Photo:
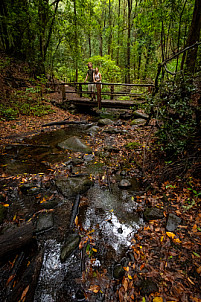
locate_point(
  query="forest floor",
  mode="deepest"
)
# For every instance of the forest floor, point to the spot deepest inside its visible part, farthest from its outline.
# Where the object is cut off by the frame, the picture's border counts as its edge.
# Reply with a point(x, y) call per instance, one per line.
point(171, 259)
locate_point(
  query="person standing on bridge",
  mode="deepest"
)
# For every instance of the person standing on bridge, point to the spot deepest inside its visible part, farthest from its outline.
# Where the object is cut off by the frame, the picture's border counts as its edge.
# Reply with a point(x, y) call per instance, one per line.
point(90, 77)
point(97, 76)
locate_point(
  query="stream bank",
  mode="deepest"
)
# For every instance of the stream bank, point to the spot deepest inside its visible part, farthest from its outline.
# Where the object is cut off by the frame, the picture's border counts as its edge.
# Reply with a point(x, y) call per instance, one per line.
point(45, 181)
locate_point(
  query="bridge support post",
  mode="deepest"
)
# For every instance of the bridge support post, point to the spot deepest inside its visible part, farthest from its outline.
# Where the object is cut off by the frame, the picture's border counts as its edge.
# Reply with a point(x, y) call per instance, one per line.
point(98, 87)
point(112, 92)
point(80, 89)
point(63, 93)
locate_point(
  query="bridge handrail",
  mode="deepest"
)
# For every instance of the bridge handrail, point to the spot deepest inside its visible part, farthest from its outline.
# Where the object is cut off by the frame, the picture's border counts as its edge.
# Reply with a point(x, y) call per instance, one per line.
point(107, 84)
point(78, 89)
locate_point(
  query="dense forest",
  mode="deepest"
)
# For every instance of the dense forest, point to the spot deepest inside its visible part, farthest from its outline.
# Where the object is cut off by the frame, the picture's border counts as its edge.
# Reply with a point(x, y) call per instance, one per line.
point(100, 203)
point(128, 39)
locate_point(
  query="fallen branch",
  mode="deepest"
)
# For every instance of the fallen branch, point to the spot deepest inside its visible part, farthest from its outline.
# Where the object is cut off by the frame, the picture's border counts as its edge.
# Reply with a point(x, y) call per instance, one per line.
point(15, 239)
point(65, 123)
point(75, 210)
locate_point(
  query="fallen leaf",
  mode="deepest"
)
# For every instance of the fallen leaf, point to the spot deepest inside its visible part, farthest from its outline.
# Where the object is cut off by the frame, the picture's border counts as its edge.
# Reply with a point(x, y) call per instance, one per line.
point(125, 284)
point(6, 205)
point(170, 234)
point(76, 220)
point(10, 279)
point(24, 294)
point(94, 288)
point(198, 270)
point(129, 277)
point(158, 299)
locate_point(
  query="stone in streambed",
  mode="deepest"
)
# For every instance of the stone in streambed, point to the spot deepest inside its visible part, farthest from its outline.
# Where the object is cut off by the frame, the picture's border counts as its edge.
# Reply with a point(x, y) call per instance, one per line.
point(118, 271)
point(44, 222)
point(74, 144)
point(124, 184)
point(138, 114)
point(69, 246)
point(71, 186)
point(153, 213)
point(172, 222)
point(138, 121)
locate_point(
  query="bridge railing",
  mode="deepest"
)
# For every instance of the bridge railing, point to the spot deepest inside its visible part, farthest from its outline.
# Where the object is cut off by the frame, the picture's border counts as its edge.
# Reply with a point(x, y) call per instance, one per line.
point(115, 89)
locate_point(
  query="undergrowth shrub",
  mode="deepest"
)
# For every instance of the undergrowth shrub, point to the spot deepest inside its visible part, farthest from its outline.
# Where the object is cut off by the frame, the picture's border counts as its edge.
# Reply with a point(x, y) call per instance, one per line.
point(173, 108)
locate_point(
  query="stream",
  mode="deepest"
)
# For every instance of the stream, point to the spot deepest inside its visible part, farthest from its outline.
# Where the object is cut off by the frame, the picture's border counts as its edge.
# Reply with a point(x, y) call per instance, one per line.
point(106, 220)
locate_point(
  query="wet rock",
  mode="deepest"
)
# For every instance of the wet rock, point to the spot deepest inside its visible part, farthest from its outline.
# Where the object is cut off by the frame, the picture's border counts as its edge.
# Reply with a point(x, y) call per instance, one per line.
point(105, 122)
point(44, 222)
point(72, 186)
point(30, 189)
point(69, 246)
point(3, 213)
point(111, 130)
point(93, 130)
point(153, 213)
point(120, 230)
point(172, 222)
point(88, 157)
point(138, 114)
point(75, 144)
point(80, 295)
point(124, 184)
point(118, 271)
point(148, 286)
point(74, 162)
point(49, 204)
point(138, 121)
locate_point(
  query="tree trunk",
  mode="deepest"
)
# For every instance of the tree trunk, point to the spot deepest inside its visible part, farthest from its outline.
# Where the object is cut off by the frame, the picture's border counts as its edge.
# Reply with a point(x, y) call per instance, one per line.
point(193, 37)
point(128, 42)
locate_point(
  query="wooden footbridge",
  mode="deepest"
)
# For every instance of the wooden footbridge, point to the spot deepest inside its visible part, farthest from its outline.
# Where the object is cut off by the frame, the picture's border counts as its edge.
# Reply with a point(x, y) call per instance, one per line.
point(108, 95)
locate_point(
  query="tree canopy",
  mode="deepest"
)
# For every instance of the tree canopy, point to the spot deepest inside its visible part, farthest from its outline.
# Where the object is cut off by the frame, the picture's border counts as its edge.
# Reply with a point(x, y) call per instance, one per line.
point(57, 37)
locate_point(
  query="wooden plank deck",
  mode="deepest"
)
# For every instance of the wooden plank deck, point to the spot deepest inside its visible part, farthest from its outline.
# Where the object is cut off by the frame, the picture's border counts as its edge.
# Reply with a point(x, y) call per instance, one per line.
point(126, 104)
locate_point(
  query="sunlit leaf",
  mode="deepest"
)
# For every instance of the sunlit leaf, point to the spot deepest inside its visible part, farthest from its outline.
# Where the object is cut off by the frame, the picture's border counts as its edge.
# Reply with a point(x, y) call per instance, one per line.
point(95, 250)
point(170, 234)
point(76, 220)
point(130, 277)
point(126, 268)
point(158, 299)
point(177, 240)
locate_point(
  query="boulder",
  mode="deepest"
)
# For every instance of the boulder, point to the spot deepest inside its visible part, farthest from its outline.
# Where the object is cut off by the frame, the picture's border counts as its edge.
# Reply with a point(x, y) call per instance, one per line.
point(124, 184)
point(172, 222)
point(75, 144)
point(44, 222)
point(138, 121)
point(153, 213)
point(69, 246)
point(105, 122)
point(93, 130)
point(71, 186)
point(138, 114)
point(118, 271)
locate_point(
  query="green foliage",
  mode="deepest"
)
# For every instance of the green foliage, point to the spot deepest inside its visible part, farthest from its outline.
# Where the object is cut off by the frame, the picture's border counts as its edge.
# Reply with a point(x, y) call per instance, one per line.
point(172, 107)
point(109, 70)
point(26, 103)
